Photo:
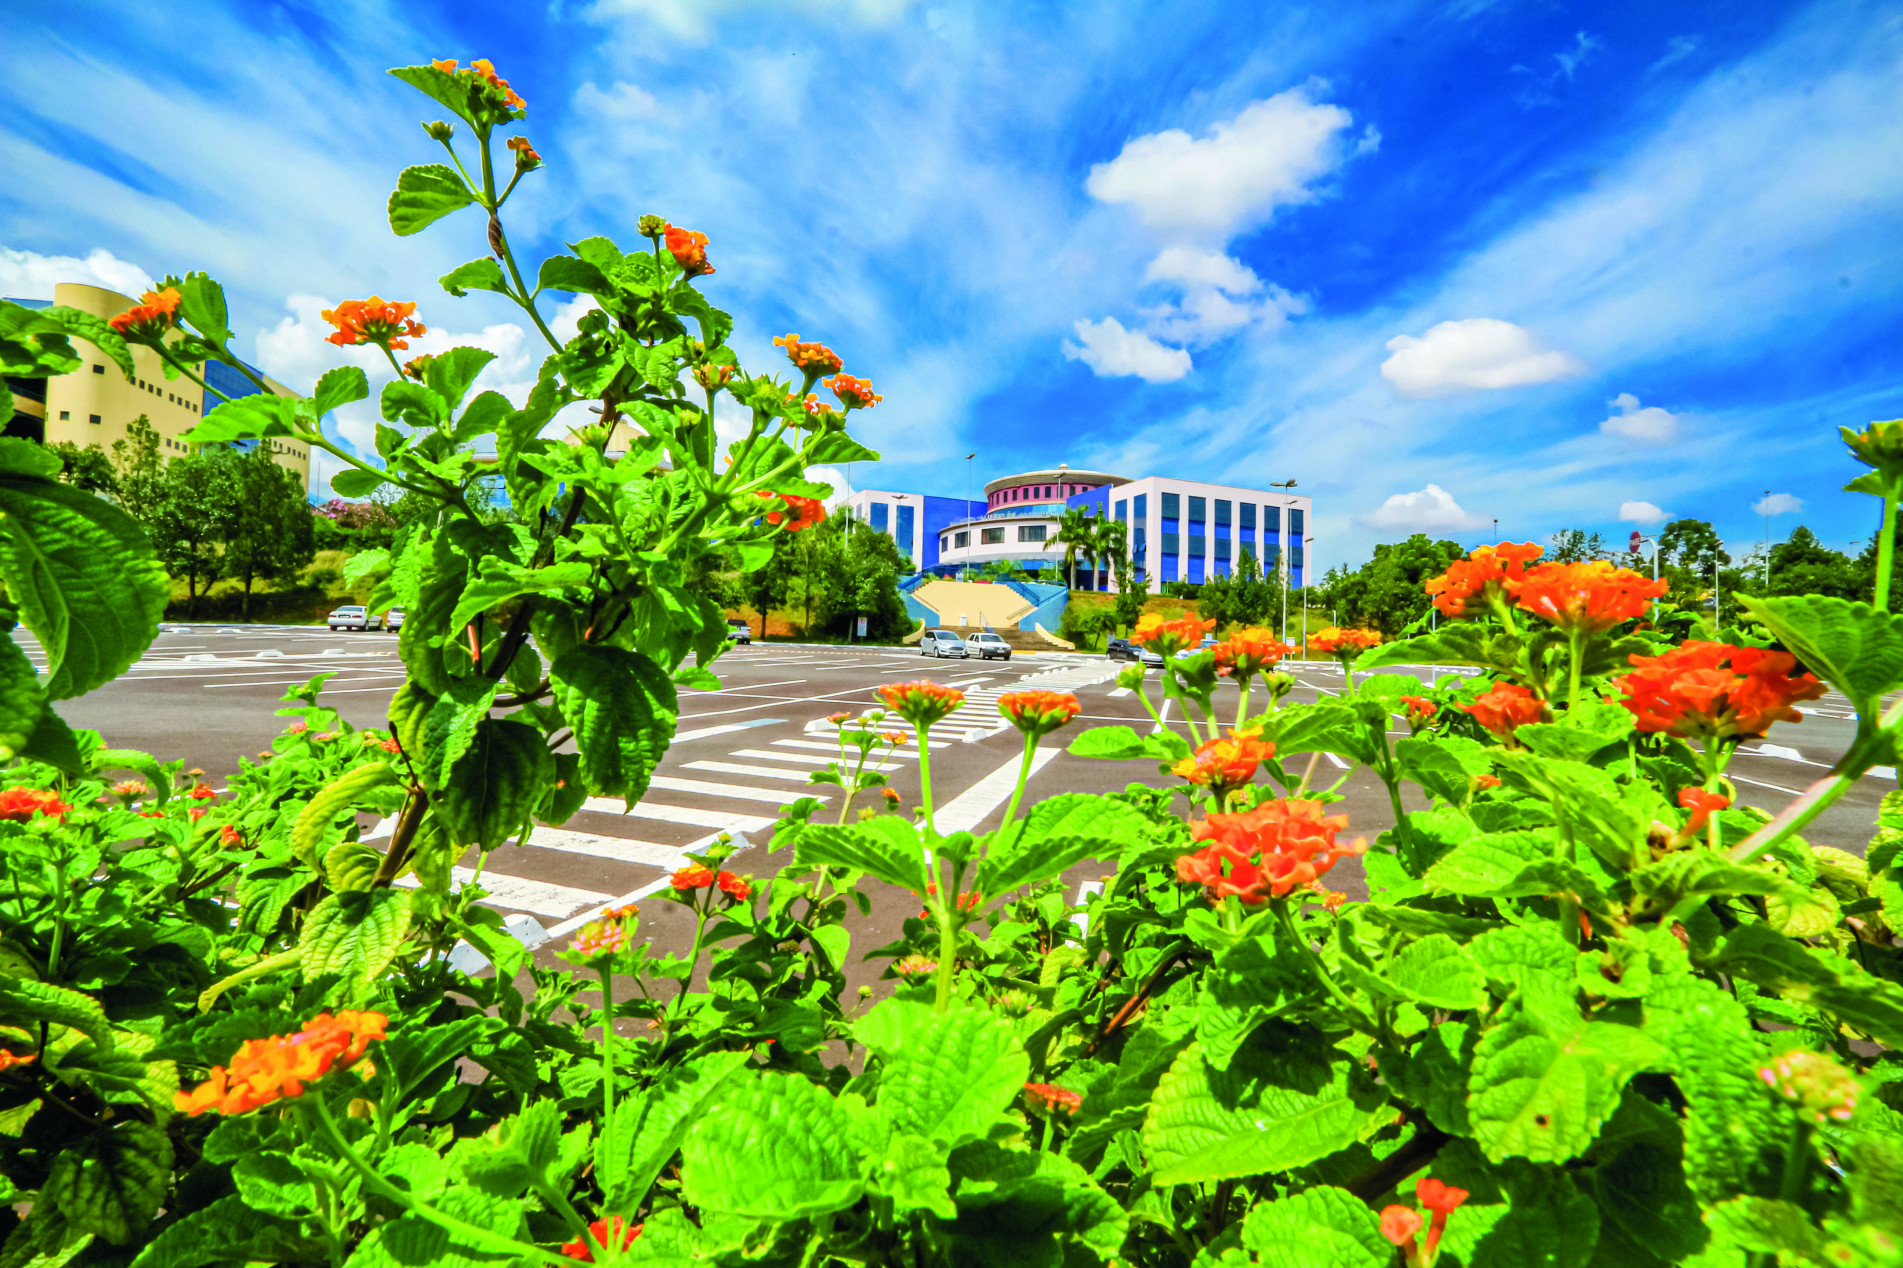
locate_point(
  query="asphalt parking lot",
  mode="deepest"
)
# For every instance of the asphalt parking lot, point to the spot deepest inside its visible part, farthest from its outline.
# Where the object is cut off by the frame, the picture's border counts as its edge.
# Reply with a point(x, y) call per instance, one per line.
point(208, 695)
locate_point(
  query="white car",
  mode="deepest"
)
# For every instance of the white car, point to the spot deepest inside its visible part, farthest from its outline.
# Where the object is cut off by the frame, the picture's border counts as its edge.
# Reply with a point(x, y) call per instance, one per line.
point(943, 643)
point(393, 619)
point(354, 616)
point(989, 646)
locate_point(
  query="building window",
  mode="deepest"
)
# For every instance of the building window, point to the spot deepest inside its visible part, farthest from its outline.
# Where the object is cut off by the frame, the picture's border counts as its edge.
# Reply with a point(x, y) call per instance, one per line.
point(1143, 507)
point(1222, 511)
point(1295, 556)
point(1295, 518)
point(99, 369)
point(961, 540)
point(1172, 506)
point(880, 516)
point(1172, 543)
point(1198, 510)
point(905, 529)
point(1248, 517)
point(92, 418)
point(1123, 509)
point(1142, 541)
point(1222, 550)
point(991, 536)
point(65, 414)
point(1271, 519)
point(1031, 532)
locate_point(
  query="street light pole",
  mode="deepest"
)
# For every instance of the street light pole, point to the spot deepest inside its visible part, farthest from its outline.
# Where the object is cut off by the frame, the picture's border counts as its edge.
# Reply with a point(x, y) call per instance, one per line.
point(1767, 539)
point(1283, 553)
point(968, 458)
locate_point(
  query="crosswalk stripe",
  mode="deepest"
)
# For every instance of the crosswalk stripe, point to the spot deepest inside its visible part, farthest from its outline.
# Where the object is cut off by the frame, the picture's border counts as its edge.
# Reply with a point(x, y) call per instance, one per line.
point(819, 747)
point(620, 849)
point(752, 772)
point(701, 733)
point(965, 811)
point(740, 792)
point(517, 894)
point(762, 755)
point(693, 816)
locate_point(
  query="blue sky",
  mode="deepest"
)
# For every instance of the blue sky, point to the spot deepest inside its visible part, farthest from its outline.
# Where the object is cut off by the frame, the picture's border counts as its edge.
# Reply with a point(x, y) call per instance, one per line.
point(1559, 265)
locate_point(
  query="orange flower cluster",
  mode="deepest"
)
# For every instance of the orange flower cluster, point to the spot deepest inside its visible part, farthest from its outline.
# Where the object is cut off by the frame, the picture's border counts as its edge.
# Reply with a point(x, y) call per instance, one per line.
point(1714, 691)
point(821, 410)
point(1703, 805)
point(891, 797)
point(129, 789)
point(689, 248)
point(230, 836)
point(1591, 596)
point(1469, 585)
point(700, 876)
point(915, 966)
point(813, 358)
point(1418, 709)
point(1505, 706)
point(1335, 641)
point(893, 738)
point(268, 1070)
point(1166, 638)
point(853, 393)
point(526, 157)
point(480, 69)
point(1265, 852)
point(19, 805)
point(388, 325)
point(1247, 653)
point(1038, 713)
point(968, 900)
point(614, 1233)
point(156, 313)
point(921, 703)
point(1399, 1224)
point(10, 1059)
point(806, 512)
point(1225, 764)
point(1048, 1098)
point(606, 934)
point(1822, 1090)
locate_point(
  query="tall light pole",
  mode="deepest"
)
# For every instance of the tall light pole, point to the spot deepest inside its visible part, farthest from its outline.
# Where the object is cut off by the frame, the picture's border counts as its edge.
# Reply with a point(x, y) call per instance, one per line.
point(968, 458)
point(1766, 504)
point(1283, 553)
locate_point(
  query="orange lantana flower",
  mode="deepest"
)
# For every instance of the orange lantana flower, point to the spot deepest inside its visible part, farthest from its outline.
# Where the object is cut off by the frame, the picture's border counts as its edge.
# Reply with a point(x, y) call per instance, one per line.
point(1590, 597)
point(481, 71)
point(20, 804)
point(1418, 709)
point(1504, 707)
point(1265, 852)
point(525, 155)
point(1703, 805)
point(853, 393)
point(1334, 641)
point(1038, 713)
point(155, 315)
point(1223, 765)
point(615, 1233)
point(806, 512)
point(10, 1059)
point(606, 934)
point(388, 325)
point(1714, 691)
point(1166, 638)
point(268, 1070)
point(1469, 585)
point(1048, 1098)
point(921, 703)
point(1247, 653)
point(689, 249)
point(813, 358)
point(1399, 1224)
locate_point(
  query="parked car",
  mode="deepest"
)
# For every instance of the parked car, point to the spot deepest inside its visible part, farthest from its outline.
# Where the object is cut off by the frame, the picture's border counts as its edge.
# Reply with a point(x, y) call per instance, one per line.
point(989, 646)
point(943, 643)
point(1124, 649)
point(393, 619)
point(354, 616)
point(739, 631)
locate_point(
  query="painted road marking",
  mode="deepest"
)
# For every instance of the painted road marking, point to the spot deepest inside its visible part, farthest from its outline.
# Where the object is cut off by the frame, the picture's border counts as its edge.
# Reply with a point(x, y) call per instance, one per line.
point(729, 728)
point(761, 754)
point(965, 811)
point(817, 746)
point(620, 849)
point(752, 772)
point(517, 894)
point(693, 816)
point(739, 792)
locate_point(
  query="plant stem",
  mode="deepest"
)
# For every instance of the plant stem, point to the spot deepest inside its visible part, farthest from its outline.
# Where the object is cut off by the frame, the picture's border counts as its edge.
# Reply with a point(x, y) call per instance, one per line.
point(1886, 549)
point(693, 952)
point(1575, 638)
point(1242, 705)
point(608, 1056)
point(1024, 777)
point(925, 782)
point(1347, 1005)
point(947, 911)
point(1796, 1163)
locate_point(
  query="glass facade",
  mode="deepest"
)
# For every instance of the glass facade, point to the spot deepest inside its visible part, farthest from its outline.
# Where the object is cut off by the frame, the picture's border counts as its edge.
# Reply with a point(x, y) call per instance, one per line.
point(906, 520)
point(880, 516)
point(1295, 523)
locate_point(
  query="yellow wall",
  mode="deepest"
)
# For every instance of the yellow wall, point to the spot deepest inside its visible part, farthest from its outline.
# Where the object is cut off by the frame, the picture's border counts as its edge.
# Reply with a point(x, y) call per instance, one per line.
point(94, 405)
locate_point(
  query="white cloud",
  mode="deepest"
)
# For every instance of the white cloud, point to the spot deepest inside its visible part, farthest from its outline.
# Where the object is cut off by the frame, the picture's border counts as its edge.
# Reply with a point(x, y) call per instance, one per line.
point(1777, 504)
point(1203, 269)
point(619, 101)
point(1208, 190)
point(1677, 49)
point(1111, 351)
point(694, 21)
point(1643, 513)
point(1429, 510)
point(30, 275)
point(1648, 426)
point(1477, 353)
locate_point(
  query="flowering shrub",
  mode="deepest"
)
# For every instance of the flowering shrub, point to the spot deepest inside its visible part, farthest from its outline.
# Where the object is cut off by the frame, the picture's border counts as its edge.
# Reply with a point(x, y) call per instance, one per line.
point(1593, 1012)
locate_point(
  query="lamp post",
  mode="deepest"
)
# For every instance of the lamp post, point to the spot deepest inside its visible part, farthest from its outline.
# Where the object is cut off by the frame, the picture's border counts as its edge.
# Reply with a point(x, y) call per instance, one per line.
point(1766, 504)
point(968, 458)
point(1283, 553)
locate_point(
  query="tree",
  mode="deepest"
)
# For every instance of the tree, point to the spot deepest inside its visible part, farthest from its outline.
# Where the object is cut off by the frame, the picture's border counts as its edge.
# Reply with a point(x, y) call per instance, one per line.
point(1576, 546)
point(1388, 592)
point(1131, 596)
point(194, 495)
point(766, 587)
point(1801, 564)
point(268, 532)
point(1077, 534)
point(85, 467)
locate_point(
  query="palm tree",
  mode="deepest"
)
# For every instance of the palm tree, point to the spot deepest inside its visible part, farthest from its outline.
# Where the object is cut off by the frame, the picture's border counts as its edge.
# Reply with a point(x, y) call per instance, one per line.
point(1077, 534)
point(1113, 547)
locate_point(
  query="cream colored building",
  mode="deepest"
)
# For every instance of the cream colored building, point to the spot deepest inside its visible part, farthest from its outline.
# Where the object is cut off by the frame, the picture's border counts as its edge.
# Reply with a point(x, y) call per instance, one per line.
point(95, 404)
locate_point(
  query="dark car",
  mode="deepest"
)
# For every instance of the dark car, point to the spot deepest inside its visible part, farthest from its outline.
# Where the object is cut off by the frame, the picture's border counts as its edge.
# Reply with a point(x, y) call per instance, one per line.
point(1124, 649)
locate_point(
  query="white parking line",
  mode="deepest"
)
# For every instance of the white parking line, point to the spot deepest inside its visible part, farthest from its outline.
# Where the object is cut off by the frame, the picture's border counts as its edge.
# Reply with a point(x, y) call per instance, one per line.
point(740, 792)
point(817, 746)
point(517, 894)
point(760, 754)
point(965, 811)
point(620, 849)
point(694, 816)
point(751, 772)
point(729, 728)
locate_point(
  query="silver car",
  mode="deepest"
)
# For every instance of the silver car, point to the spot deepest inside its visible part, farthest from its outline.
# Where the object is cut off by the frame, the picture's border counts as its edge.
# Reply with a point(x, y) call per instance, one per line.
point(393, 619)
point(354, 616)
point(989, 646)
point(943, 643)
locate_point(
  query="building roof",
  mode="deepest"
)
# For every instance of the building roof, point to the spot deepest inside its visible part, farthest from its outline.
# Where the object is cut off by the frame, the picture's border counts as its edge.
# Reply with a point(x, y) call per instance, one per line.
point(1061, 473)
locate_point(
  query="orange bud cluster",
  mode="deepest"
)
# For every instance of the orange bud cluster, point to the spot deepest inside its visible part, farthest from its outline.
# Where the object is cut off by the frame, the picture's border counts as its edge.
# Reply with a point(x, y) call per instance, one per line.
point(606, 934)
point(1264, 853)
point(525, 155)
point(1399, 1224)
point(812, 358)
point(806, 512)
point(1247, 653)
point(1166, 638)
point(1334, 641)
point(1703, 690)
point(1048, 1098)
point(689, 249)
point(1505, 706)
point(268, 1070)
point(19, 805)
point(615, 1233)
point(1224, 764)
point(482, 72)
point(155, 314)
point(388, 325)
point(1038, 713)
point(921, 703)
point(1418, 709)
point(853, 393)
point(699, 876)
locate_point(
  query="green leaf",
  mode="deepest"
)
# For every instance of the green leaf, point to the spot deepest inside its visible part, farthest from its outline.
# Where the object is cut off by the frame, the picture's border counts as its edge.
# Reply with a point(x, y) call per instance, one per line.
point(1024, 1209)
point(495, 786)
point(1327, 727)
point(838, 447)
point(947, 1077)
point(449, 374)
point(477, 275)
point(500, 580)
point(649, 1128)
point(915, 1176)
point(1769, 1226)
point(111, 1183)
point(260, 416)
point(623, 709)
point(1851, 646)
point(21, 700)
point(33, 345)
point(566, 273)
point(1256, 979)
point(1120, 743)
point(440, 85)
point(484, 415)
point(25, 458)
point(84, 578)
point(1542, 1084)
point(270, 1182)
point(26, 1003)
point(410, 1055)
point(203, 307)
point(314, 821)
point(1642, 1193)
point(778, 1147)
point(355, 935)
point(449, 728)
point(55, 743)
point(96, 331)
point(340, 386)
point(227, 1231)
point(1818, 977)
point(355, 482)
point(1321, 1226)
point(1278, 1106)
point(1439, 972)
point(886, 847)
point(1058, 833)
point(425, 195)
point(1481, 865)
point(1455, 643)
point(1444, 766)
point(1434, 1074)
point(100, 761)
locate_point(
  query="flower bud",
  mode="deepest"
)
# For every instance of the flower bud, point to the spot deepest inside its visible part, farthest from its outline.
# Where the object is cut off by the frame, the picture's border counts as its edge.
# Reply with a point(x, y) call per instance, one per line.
point(1130, 677)
point(1278, 685)
point(651, 226)
point(439, 131)
point(1879, 445)
point(865, 992)
point(712, 377)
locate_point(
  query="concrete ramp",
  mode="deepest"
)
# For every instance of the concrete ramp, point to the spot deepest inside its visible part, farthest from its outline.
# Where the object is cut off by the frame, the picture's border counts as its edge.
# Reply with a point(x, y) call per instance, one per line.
point(970, 604)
